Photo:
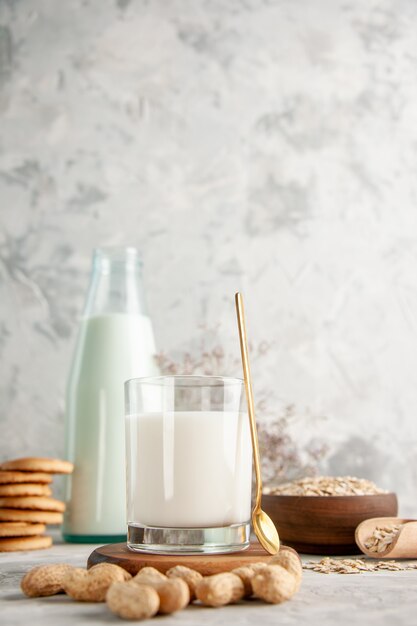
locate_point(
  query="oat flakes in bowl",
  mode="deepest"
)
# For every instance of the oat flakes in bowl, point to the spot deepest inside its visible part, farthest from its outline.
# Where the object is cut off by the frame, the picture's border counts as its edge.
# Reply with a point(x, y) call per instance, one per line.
point(320, 515)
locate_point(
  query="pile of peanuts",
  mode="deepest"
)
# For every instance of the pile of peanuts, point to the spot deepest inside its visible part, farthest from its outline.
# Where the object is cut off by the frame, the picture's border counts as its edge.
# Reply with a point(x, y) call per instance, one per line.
point(151, 592)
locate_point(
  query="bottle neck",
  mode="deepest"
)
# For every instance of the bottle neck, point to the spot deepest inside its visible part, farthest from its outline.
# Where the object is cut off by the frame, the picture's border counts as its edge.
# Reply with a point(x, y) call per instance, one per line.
point(115, 283)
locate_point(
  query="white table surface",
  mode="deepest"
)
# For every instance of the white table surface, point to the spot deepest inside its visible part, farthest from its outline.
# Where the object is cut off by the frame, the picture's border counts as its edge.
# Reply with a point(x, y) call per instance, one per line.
point(372, 598)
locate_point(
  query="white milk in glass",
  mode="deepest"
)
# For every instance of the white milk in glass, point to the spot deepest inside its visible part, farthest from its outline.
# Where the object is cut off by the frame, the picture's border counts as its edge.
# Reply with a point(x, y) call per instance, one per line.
point(111, 349)
point(189, 469)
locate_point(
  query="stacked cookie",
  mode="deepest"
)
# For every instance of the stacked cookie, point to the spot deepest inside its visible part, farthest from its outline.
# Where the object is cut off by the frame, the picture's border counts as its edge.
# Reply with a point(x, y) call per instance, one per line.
point(26, 506)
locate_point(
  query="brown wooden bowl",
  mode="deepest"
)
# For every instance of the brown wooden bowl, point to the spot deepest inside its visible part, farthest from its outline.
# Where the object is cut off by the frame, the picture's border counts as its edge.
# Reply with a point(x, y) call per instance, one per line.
point(325, 524)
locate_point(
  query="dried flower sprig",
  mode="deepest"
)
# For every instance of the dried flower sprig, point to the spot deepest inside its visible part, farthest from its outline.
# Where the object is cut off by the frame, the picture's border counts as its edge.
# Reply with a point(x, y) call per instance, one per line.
point(283, 458)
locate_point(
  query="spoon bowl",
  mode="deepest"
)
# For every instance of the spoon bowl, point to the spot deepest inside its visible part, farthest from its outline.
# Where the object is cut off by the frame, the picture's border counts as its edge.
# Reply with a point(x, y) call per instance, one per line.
point(265, 531)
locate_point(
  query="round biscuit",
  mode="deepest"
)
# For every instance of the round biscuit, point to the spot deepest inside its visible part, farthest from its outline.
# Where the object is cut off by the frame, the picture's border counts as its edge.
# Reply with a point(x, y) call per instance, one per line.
point(25, 489)
point(38, 464)
point(19, 515)
point(25, 543)
point(21, 529)
point(11, 477)
point(35, 503)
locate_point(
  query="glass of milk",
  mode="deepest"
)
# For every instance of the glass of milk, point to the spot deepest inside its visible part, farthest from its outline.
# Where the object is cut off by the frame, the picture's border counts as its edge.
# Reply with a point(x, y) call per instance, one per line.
point(189, 464)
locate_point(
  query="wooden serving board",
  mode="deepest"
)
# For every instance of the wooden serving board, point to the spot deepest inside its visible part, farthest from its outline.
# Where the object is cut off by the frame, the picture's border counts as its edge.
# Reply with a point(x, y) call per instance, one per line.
point(206, 564)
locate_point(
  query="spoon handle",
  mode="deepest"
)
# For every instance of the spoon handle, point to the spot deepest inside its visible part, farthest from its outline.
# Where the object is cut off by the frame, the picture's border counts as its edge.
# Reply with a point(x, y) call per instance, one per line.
point(249, 396)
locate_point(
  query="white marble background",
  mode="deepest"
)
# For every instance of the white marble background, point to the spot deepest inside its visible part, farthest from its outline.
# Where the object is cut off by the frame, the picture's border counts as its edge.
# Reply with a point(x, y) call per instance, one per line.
point(263, 145)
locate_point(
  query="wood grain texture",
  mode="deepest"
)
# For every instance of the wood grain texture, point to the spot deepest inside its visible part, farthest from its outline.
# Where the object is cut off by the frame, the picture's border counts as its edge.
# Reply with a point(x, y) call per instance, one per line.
point(404, 545)
point(325, 524)
point(206, 564)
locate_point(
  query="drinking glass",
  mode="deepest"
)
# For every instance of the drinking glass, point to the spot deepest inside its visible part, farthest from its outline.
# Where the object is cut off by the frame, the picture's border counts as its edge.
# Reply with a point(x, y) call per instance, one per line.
point(189, 464)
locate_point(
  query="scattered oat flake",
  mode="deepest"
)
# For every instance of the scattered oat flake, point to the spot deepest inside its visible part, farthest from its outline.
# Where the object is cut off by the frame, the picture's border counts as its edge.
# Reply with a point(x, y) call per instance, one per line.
point(355, 566)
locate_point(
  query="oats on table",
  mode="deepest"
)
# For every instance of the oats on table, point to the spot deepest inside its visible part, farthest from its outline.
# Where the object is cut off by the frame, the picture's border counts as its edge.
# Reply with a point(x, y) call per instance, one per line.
point(355, 566)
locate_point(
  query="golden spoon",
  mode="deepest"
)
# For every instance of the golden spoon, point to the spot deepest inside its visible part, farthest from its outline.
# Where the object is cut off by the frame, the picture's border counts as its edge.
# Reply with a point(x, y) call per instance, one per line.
point(262, 524)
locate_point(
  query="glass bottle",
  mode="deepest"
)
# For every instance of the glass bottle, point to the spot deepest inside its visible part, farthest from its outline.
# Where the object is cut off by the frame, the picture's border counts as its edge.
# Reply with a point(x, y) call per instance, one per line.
point(115, 343)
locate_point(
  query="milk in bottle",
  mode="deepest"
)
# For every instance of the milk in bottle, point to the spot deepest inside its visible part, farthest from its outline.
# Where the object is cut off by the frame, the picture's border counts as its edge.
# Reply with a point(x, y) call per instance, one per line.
point(115, 343)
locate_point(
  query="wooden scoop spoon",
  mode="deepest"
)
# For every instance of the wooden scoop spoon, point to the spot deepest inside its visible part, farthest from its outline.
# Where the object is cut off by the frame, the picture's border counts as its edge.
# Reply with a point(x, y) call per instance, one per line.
point(404, 544)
